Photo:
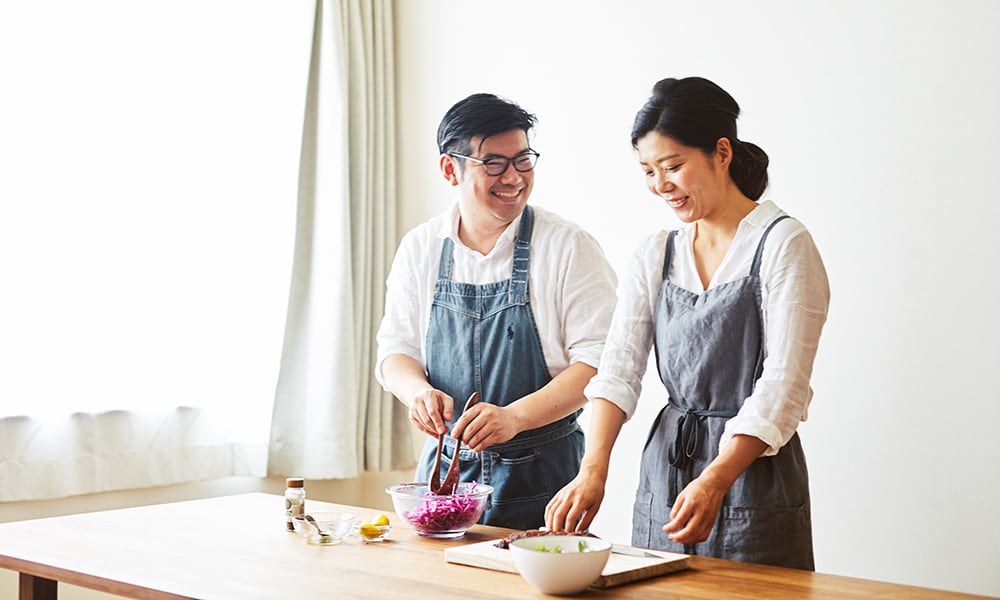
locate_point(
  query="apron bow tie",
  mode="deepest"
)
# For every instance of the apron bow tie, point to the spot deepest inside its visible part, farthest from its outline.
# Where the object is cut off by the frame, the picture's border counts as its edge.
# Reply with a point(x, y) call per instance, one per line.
point(687, 442)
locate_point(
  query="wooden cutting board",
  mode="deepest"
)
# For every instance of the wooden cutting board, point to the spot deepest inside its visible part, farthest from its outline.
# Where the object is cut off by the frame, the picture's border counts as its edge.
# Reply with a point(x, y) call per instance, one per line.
point(620, 569)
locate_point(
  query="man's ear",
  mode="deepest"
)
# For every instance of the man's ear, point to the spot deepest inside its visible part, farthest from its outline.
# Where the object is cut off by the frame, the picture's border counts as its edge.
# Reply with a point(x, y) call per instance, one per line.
point(449, 169)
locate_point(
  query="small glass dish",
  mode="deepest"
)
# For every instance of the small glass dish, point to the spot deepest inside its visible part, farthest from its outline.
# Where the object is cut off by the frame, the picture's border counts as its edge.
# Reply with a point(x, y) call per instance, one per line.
point(335, 527)
point(372, 533)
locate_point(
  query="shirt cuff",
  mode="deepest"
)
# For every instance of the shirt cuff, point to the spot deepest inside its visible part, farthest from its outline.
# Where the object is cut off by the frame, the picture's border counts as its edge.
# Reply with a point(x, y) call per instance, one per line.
point(588, 355)
point(386, 352)
point(615, 390)
point(757, 427)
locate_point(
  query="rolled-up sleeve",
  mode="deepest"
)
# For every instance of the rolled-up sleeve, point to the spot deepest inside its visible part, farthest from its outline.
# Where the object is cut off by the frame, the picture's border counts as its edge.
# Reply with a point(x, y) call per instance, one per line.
point(796, 297)
point(588, 300)
point(400, 332)
point(630, 338)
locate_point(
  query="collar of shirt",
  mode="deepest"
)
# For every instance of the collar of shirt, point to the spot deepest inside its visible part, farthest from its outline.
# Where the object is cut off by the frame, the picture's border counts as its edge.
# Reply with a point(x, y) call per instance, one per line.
point(736, 263)
point(759, 218)
point(449, 228)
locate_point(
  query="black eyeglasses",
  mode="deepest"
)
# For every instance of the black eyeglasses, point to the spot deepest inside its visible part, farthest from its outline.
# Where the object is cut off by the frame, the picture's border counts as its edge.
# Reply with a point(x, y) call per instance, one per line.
point(497, 165)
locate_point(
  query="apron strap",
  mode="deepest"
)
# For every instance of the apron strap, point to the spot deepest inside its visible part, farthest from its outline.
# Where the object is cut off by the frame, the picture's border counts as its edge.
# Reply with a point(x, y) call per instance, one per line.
point(447, 260)
point(668, 253)
point(755, 268)
point(518, 293)
point(522, 258)
point(687, 442)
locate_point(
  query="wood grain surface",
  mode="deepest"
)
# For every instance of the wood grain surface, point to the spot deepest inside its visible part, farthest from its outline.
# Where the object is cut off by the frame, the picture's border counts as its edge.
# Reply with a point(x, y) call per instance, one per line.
point(237, 547)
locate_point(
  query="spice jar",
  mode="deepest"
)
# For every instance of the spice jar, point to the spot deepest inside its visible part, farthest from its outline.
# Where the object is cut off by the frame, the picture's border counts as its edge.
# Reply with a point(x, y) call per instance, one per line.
point(295, 500)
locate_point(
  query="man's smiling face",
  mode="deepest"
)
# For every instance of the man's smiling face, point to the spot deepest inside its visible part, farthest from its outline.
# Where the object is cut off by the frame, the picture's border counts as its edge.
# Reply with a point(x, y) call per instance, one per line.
point(499, 198)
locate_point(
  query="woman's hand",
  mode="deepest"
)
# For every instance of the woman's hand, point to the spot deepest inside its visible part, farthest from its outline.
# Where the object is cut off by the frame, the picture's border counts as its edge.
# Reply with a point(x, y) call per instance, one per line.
point(697, 506)
point(695, 511)
point(574, 507)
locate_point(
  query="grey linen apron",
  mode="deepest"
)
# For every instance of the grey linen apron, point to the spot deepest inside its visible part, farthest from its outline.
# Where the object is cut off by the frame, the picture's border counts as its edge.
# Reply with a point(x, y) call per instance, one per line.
point(710, 353)
point(483, 338)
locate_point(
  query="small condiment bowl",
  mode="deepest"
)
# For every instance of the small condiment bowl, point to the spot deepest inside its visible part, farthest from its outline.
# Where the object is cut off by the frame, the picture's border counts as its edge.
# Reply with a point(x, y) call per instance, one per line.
point(372, 533)
point(334, 525)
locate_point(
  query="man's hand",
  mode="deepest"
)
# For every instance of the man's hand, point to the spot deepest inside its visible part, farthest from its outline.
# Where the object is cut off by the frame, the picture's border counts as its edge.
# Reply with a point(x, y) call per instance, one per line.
point(430, 410)
point(484, 425)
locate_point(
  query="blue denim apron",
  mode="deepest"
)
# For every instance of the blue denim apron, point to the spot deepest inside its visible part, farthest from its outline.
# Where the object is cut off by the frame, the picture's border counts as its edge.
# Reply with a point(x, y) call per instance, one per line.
point(710, 353)
point(483, 338)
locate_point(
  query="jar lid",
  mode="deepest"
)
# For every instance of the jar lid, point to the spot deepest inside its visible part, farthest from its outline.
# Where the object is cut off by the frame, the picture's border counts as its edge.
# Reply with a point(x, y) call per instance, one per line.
point(295, 482)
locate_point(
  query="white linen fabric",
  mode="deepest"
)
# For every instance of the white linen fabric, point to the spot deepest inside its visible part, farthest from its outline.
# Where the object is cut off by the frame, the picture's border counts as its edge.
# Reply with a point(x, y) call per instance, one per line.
point(795, 295)
point(330, 419)
point(145, 232)
point(82, 453)
point(570, 284)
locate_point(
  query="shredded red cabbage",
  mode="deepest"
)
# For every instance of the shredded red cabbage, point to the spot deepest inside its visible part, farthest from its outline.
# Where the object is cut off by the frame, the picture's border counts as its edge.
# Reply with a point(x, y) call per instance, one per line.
point(453, 512)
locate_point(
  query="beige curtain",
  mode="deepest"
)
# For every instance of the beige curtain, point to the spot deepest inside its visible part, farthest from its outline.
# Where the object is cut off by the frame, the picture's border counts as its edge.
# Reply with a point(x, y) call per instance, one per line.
point(330, 418)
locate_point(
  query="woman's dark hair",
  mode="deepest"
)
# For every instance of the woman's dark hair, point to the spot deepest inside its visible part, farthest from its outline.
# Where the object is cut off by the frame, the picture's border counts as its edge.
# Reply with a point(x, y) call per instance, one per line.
point(482, 115)
point(696, 112)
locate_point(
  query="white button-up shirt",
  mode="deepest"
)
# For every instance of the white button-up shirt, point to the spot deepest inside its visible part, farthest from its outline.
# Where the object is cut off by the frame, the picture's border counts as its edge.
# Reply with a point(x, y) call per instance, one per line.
point(795, 296)
point(571, 287)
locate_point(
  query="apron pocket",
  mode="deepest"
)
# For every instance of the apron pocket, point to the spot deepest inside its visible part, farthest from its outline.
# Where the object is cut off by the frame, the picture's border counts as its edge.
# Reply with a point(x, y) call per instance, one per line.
point(520, 490)
point(642, 519)
point(517, 477)
point(771, 536)
point(469, 468)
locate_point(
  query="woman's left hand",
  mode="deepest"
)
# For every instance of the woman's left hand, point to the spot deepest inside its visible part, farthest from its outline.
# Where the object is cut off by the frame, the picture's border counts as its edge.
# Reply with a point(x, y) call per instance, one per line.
point(697, 506)
point(695, 511)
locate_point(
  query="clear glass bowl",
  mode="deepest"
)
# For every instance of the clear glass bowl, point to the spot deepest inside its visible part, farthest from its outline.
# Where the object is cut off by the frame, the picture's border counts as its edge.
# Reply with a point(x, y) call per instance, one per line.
point(335, 526)
point(440, 516)
point(372, 533)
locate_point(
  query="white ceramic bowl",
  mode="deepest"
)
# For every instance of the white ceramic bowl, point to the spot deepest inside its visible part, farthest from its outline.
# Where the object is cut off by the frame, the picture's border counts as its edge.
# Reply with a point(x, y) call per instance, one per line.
point(444, 516)
point(560, 564)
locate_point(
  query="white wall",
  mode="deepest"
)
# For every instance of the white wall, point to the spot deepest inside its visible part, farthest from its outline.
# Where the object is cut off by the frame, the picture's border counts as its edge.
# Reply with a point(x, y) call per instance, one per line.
point(881, 122)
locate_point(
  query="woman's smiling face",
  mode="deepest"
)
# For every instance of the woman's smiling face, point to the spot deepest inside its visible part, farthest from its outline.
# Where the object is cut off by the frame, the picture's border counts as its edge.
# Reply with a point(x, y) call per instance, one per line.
point(691, 182)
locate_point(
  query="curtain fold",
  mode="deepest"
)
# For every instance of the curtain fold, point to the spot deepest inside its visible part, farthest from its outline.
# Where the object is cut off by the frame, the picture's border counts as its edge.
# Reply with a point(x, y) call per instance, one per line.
point(145, 230)
point(330, 418)
point(85, 453)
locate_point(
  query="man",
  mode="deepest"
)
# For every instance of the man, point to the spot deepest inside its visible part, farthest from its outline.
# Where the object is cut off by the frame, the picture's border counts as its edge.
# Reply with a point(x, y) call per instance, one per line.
point(503, 299)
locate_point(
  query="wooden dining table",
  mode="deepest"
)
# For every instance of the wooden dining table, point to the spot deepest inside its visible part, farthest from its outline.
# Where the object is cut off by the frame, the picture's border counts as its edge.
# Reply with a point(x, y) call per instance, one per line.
point(238, 547)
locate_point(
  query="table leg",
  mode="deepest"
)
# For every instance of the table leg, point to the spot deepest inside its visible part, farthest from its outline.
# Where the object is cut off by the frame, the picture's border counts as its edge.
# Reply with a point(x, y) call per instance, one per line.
point(36, 588)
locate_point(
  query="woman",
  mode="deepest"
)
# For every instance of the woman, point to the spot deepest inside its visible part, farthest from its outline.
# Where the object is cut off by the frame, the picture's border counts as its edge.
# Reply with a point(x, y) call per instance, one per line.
point(734, 302)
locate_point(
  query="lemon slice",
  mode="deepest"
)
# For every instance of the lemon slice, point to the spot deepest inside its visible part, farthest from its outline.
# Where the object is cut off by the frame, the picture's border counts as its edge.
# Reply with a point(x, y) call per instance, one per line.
point(369, 531)
point(379, 520)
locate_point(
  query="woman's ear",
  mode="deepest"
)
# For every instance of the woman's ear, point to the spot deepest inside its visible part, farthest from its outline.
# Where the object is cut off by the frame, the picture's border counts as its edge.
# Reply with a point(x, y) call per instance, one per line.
point(723, 152)
point(449, 169)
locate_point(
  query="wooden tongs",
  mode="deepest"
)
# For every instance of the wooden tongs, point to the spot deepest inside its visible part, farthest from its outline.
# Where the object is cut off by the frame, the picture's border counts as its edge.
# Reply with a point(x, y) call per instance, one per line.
point(451, 477)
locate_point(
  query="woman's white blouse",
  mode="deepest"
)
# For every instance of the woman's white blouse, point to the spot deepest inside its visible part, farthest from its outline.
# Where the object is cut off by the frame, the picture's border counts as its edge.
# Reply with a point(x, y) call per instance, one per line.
point(795, 295)
point(571, 287)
